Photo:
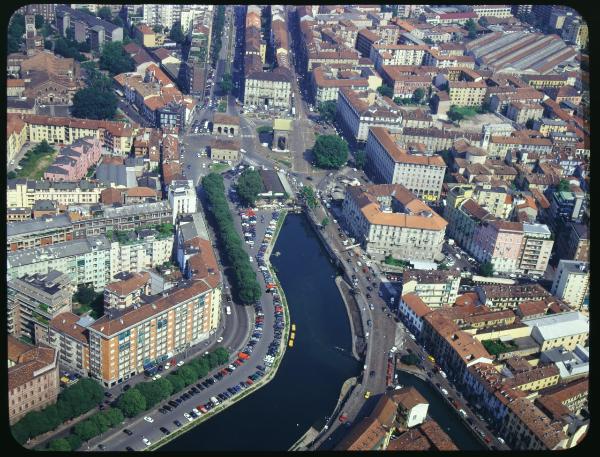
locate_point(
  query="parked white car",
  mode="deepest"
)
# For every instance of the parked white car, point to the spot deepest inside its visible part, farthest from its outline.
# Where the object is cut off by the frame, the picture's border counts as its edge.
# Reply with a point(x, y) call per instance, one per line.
point(148, 419)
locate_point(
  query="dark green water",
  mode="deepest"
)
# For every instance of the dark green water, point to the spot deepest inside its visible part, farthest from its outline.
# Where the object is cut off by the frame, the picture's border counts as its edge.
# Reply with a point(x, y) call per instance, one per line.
point(310, 377)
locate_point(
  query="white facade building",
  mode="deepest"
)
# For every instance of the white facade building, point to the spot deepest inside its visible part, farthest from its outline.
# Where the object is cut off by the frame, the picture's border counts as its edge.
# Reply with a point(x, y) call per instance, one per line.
point(182, 197)
point(571, 282)
point(144, 253)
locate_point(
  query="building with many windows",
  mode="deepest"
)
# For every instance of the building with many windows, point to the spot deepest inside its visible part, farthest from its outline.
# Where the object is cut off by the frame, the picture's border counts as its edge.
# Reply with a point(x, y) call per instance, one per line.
point(182, 197)
point(571, 282)
point(23, 193)
point(35, 299)
point(122, 343)
point(142, 249)
point(32, 378)
point(388, 220)
point(85, 261)
point(421, 174)
point(435, 287)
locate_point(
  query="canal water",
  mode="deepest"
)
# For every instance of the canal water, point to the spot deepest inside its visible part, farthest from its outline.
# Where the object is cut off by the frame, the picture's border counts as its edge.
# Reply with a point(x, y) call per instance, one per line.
point(309, 379)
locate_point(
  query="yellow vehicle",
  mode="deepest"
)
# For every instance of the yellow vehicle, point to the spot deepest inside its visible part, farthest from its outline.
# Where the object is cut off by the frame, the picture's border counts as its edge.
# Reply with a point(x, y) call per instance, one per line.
point(431, 359)
point(291, 343)
point(292, 336)
point(367, 394)
point(293, 327)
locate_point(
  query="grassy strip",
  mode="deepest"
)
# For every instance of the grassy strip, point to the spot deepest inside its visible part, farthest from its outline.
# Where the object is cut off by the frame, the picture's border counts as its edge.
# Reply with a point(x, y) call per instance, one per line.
point(35, 165)
point(218, 167)
point(264, 381)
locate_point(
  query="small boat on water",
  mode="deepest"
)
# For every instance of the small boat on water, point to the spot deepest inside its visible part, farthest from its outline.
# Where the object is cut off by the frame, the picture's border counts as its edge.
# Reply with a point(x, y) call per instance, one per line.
point(291, 343)
point(293, 327)
point(292, 336)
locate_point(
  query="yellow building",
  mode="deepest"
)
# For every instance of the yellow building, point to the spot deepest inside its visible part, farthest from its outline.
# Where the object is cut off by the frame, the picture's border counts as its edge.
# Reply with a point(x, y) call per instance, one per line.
point(565, 330)
point(16, 136)
point(466, 93)
point(147, 35)
point(536, 378)
point(24, 193)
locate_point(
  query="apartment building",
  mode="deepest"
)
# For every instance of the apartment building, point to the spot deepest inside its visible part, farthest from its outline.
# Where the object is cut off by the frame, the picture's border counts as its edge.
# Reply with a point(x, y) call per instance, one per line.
point(421, 174)
point(403, 84)
point(38, 232)
point(436, 288)
point(16, 136)
point(117, 137)
point(127, 291)
point(85, 26)
point(23, 193)
point(35, 299)
point(536, 249)
point(467, 93)
point(411, 310)
point(397, 54)
point(568, 206)
point(358, 111)
point(521, 112)
point(136, 251)
point(68, 335)
point(435, 58)
point(571, 283)
point(326, 85)
point(499, 11)
point(32, 378)
point(499, 242)
point(574, 244)
point(85, 261)
point(121, 343)
point(268, 88)
point(182, 197)
point(73, 162)
point(388, 220)
point(526, 427)
point(510, 297)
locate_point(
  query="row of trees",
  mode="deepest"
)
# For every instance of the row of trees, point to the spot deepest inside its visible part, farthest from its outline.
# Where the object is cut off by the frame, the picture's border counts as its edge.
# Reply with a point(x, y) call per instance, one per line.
point(327, 110)
point(218, 24)
point(248, 187)
point(330, 151)
point(248, 288)
point(143, 397)
point(72, 402)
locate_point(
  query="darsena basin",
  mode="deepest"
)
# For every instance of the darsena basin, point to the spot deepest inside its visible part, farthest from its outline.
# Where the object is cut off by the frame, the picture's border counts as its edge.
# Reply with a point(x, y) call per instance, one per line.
point(310, 377)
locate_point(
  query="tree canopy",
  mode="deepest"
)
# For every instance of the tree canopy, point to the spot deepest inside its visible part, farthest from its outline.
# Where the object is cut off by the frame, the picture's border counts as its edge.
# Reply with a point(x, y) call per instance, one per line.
point(248, 187)
point(105, 13)
point(330, 151)
point(92, 103)
point(226, 83)
point(245, 283)
point(471, 27)
point(176, 34)
point(418, 95)
point(16, 30)
point(385, 90)
point(132, 402)
point(115, 59)
point(486, 269)
point(360, 159)
point(328, 110)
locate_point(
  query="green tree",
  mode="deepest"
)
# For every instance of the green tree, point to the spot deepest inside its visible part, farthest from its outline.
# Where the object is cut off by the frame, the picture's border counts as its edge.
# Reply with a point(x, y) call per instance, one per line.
point(115, 59)
point(455, 114)
point(308, 194)
point(155, 391)
point(222, 355)
point(471, 28)
point(324, 222)
point(248, 187)
point(60, 444)
point(226, 83)
point(187, 374)
point(486, 269)
point(74, 441)
point(564, 186)
point(157, 29)
point(327, 110)
point(131, 403)
point(483, 22)
point(86, 430)
point(16, 30)
point(85, 294)
point(39, 21)
point(418, 95)
point(92, 103)
point(176, 382)
point(101, 421)
point(79, 398)
point(410, 359)
point(176, 34)
point(360, 159)
point(104, 13)
point(114, 416)
point(330, 151)
point(385, 90)
point(11, 175)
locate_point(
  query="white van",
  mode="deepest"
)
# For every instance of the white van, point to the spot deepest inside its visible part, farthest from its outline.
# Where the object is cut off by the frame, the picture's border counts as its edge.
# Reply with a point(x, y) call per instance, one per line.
point(228, 310)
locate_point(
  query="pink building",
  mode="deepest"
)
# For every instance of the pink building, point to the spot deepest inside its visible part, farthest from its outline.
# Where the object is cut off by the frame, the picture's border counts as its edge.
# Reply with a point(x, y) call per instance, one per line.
point(499, 242)
point(73, 162)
